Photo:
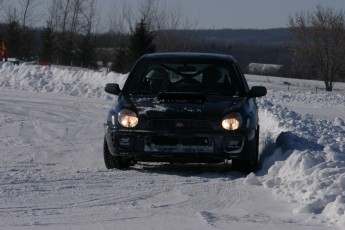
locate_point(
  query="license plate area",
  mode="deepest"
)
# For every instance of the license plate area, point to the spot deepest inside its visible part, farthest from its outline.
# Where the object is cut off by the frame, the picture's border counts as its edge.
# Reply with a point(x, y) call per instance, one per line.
point(187, 141)
point(178, 144)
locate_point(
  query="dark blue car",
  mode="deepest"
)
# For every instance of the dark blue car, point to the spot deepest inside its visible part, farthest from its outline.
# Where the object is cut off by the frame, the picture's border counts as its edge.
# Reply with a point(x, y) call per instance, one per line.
point(186, 108)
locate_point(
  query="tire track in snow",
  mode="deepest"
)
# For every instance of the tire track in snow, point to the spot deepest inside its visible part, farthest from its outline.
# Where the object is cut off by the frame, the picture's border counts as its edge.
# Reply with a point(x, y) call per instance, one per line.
point(56, 129)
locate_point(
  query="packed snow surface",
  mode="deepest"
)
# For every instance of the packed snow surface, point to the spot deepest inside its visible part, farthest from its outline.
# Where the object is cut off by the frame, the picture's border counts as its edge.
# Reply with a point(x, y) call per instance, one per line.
point(52, 174)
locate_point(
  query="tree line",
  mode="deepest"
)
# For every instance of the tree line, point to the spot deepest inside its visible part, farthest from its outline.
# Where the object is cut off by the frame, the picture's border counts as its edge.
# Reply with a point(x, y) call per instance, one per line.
point(70, 32)
point(69, 36)
point(66, 37)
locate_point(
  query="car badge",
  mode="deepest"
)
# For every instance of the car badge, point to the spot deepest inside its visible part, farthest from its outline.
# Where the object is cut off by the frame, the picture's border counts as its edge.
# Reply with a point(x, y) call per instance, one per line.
point(179, 124)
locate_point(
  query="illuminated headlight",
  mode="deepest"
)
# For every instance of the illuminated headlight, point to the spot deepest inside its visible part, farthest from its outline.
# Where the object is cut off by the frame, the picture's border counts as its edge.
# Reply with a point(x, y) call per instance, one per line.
point(232, 121)
point(127, 118)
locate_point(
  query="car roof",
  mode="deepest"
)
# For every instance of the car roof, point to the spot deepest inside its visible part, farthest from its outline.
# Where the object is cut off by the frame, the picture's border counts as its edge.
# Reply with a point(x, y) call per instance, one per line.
point(189, 55)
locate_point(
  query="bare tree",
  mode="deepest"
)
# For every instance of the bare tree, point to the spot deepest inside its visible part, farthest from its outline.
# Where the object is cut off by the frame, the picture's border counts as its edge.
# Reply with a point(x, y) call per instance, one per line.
point(161, 17)
point(29, 16)
point(54, 15)
point(2, 4)
point(121, 17)
point(91, 17)
point(65, 14)
point(88, 54)
point(64, 6)
point(21, 42)
point(12, 15)
point(319, 43)
point(152, 12)
point(164, 20)
point(2, 7)
point(25, 12)
point(72, 19)
point(121, 21)
point(78, 8)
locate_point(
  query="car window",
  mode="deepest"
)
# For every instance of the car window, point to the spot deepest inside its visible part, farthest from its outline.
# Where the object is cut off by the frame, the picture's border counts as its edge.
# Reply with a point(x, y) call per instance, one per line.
point(207, 77)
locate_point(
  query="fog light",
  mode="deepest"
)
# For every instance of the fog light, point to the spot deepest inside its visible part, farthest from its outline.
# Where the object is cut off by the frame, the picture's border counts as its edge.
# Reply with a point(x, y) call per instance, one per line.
point(232, 143)
point(125, 142)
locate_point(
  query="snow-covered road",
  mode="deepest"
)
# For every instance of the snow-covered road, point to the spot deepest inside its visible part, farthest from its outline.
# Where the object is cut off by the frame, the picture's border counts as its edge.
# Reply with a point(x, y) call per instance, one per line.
point(52, 174)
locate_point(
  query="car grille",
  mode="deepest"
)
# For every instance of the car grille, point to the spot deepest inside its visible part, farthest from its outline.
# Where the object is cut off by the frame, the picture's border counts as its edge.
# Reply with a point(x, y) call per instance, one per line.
point(169, 124)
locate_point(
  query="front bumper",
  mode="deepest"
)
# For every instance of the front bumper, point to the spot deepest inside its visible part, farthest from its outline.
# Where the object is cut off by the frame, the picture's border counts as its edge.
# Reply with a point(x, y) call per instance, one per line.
point(179, 146)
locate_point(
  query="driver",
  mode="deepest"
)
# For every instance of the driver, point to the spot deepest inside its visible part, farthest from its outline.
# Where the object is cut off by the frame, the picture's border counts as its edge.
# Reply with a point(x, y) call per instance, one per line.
point(158, 79)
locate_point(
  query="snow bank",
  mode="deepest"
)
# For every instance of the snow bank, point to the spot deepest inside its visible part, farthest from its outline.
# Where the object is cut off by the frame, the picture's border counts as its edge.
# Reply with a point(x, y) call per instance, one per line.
point(308, 163)
point(260, 68)
point(67, 81)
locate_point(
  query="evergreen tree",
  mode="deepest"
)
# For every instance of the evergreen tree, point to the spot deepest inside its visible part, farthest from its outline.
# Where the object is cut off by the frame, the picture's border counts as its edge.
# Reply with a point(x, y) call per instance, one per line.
point(27, 45)
point(120, 63)
point(88, 55)
point(140, 42)
point(48, 46)
point(64, 48)
point(13, 39)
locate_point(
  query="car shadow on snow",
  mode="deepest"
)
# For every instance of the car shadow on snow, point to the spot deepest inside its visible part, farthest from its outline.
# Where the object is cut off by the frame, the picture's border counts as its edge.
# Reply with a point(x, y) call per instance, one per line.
point(221, 170)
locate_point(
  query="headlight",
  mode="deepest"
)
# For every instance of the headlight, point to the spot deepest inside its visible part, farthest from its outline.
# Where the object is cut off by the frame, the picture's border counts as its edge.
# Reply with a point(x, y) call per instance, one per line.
point(127, 118)
point(232, 121)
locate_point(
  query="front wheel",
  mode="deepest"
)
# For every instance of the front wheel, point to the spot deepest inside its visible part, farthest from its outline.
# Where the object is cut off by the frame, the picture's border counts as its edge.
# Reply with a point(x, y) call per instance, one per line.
point(111, 161)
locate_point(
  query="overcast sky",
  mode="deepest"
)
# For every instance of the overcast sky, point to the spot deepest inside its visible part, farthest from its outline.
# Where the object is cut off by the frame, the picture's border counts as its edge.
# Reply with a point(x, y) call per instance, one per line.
point(217, 14)
point(257, 14)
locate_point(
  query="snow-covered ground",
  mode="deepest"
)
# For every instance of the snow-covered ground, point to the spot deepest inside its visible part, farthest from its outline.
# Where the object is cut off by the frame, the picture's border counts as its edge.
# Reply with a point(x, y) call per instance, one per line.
point(52, 174)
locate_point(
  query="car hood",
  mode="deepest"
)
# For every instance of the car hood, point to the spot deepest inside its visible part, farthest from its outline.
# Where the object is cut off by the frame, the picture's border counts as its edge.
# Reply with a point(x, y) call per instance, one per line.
point(206, 107)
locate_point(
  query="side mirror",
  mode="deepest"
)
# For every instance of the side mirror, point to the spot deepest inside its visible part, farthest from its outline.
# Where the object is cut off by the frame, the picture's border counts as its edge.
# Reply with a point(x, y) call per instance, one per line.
point(112, 88)
point(257, 91)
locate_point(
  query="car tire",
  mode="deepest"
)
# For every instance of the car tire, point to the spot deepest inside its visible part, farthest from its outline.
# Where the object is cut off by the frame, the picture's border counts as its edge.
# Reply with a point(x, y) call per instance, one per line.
point(111, 161)
point(248, 166)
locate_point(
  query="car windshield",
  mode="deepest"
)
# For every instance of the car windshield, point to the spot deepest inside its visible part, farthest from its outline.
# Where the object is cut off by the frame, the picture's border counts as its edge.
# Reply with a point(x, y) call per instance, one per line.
point(206, 77)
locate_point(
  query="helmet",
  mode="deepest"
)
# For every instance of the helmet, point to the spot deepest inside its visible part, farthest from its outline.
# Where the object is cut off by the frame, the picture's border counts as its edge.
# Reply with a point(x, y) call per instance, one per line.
point(158, 74)
point(158, 79)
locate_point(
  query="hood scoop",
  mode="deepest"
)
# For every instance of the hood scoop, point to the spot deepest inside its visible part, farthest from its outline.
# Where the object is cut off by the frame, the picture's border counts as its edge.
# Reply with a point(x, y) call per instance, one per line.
point(181, 97)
